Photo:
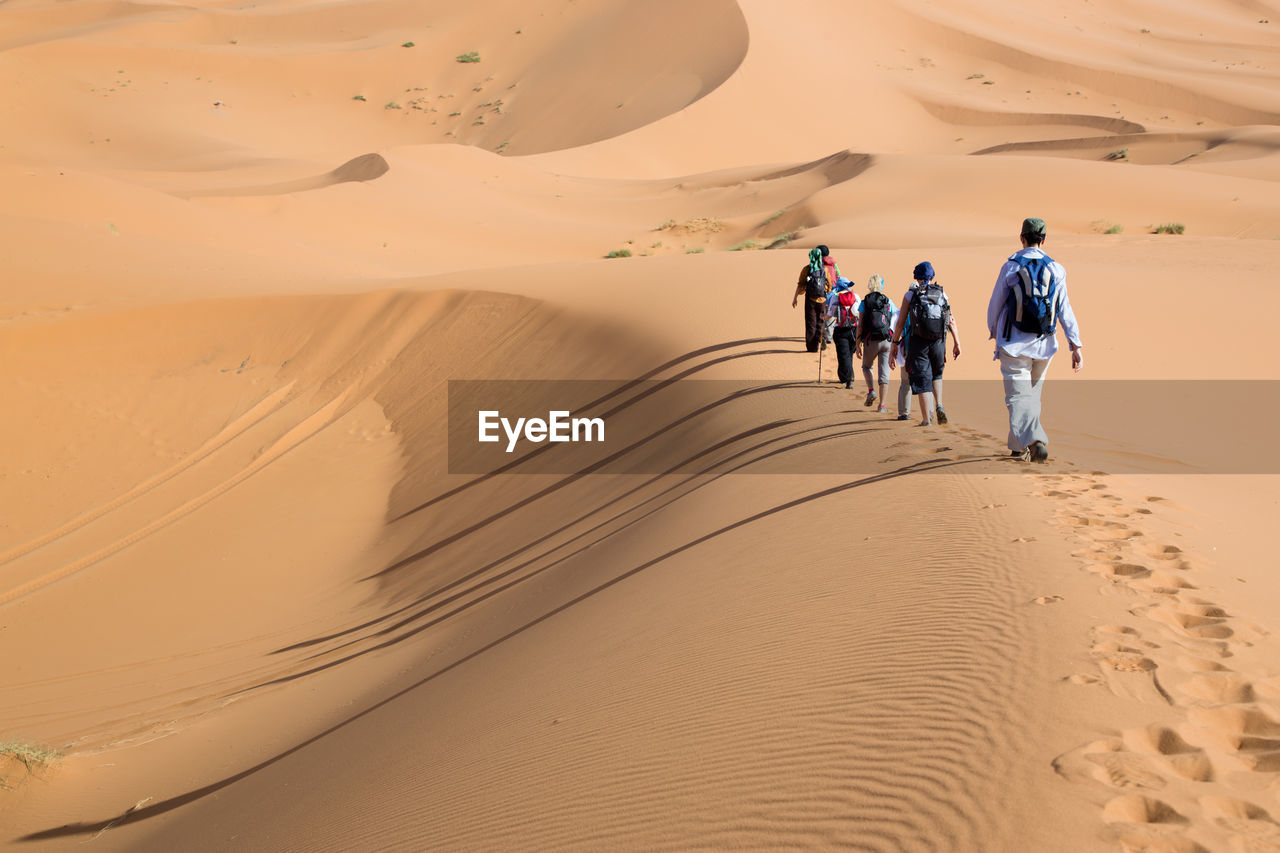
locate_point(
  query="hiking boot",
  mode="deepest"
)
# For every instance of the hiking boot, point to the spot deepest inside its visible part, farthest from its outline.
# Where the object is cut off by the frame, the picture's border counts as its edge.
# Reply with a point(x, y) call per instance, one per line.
point(904, 417)
point(881, 410)
point(849, 384)
point(942, 415)
point(1038, 452)
point(871, 398)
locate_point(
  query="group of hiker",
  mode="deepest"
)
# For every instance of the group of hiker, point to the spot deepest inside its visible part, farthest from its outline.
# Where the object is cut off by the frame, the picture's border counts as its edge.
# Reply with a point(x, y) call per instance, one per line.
point(1028, 302)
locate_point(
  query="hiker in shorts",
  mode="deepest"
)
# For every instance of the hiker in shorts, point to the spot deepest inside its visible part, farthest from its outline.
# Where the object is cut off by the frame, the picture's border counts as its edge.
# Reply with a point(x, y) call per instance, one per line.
point(877, 315)
point(930, 312)
point(816, 280)
point(1027, 303)
point(842, 314)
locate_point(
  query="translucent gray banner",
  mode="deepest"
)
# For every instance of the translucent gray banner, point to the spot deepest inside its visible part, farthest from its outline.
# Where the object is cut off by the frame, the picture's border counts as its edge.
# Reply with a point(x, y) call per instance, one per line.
point(791, 427)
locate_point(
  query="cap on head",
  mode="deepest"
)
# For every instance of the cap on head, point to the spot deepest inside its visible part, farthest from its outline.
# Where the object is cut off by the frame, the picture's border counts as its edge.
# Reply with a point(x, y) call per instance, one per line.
point(923, 271)
point(1033, 228)
point(824, 250)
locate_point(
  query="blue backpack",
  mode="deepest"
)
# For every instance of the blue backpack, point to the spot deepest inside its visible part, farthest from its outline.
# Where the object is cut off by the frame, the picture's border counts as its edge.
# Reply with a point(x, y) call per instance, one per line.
point(1032, 303)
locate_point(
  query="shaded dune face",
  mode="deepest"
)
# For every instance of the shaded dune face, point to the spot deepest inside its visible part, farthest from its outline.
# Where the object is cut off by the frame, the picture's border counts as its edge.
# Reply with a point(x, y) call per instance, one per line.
point(170, 437)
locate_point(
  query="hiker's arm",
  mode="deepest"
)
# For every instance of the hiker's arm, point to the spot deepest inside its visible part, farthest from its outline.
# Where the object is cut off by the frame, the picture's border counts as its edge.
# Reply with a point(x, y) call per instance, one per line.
point(999, 294)
point(800, 287)
point(897, 330)
point(955, 335)
point(1070, 327)
point(902, 319)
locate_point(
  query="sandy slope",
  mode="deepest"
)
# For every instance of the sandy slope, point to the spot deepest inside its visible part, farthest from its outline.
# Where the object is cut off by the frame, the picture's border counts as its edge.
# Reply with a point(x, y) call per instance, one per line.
point(242, 594)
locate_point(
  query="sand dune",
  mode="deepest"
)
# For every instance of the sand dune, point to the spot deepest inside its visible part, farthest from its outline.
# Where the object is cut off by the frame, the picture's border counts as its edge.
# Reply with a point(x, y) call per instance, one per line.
point(252, 598)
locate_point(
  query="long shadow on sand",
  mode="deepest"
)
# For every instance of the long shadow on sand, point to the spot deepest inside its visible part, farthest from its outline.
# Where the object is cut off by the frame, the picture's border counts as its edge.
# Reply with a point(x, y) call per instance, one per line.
point(135, 815)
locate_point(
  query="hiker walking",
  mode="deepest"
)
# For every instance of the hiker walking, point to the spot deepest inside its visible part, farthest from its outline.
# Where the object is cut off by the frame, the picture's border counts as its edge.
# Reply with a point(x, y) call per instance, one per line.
point(1028, 302)
point(931, 318)
point(876, 318)
point(842, 314)
point(817, 278)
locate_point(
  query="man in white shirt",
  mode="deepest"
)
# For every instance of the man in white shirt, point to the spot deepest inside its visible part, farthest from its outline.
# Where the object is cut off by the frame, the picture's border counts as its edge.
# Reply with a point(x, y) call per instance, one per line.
point(1029, 300)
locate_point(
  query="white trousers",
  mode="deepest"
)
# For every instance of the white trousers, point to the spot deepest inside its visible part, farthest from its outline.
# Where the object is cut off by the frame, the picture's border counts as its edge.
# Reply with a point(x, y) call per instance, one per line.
point(1023, 384)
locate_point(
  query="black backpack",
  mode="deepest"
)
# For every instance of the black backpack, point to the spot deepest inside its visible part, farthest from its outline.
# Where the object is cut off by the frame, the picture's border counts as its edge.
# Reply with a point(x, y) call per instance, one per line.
point(929, 313)
point(876, 315)
point(815, 286)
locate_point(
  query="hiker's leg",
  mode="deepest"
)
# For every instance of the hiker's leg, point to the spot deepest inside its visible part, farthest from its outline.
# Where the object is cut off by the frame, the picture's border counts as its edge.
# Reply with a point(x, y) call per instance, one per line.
point(882, 366)
point(920, 369)
point(926, 408)
point(869, 350)
point(1039, 367)
point(812, 325)
point(1022, 398)
point(938, 363)
point(829, 325)
point(904, 393)
point(843, 338)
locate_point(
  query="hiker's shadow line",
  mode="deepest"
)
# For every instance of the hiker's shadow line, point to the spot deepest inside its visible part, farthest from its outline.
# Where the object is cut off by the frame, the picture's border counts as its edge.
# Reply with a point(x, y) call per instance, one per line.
point(589, 407)
point(135, 815)
point(706, 479)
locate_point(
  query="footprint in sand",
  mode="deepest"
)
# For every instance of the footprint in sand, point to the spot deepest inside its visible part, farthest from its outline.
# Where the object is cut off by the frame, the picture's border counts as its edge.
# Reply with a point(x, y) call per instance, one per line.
point(1219, 688)
point(1145, 823)
point(1194, 664)
point(1250, 821)
point(1246, 732)
point(1182, 758)
point(1047, 599)
point(1130, 674)
point(1118, 570)
point(1192, 624)
point(1138, 808)
point(1164, 583)
point(1106, 761)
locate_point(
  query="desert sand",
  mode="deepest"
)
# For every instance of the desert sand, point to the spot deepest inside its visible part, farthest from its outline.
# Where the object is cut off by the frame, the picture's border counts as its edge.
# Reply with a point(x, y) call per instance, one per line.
point(250, 600)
